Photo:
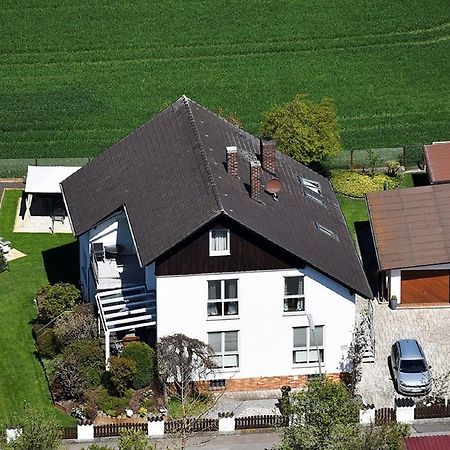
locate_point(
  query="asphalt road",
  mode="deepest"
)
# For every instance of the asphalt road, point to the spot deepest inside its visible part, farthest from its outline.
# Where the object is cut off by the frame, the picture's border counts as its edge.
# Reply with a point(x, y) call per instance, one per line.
point(249, 441)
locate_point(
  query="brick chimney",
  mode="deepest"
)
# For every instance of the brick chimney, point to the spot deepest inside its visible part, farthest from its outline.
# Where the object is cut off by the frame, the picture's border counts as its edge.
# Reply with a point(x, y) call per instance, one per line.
point(267, 151)
point(232, 161)
point(255, 180)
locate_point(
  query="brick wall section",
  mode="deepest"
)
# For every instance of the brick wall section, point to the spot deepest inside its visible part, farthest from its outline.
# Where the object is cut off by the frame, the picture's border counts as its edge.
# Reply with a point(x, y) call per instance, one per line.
point(232, 161)
point(268, 156)
point(255, 180)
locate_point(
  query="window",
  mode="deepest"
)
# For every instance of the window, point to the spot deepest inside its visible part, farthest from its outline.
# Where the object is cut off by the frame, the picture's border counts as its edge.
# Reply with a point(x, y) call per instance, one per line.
point(325, 231)
point(219, 242)
point(313, 186)
point(294, 297)
point(223, 298)
point(305, 345)
point(226, 349)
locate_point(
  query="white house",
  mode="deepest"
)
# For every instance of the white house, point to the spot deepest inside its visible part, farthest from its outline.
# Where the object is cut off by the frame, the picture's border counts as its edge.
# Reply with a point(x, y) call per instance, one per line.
point(191, 225)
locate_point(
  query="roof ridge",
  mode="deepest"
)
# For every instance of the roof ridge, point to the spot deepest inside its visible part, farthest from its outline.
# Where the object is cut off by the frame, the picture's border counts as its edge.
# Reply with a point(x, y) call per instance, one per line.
point(211, 179)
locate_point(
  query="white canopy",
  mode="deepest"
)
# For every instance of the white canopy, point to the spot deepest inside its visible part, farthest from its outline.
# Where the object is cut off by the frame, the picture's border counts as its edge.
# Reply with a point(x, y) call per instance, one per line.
point(45, 180)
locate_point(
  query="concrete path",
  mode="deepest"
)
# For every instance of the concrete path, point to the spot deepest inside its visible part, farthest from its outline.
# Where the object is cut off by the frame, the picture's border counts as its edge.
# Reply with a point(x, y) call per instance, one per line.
point(429, 326)
point(242, 441)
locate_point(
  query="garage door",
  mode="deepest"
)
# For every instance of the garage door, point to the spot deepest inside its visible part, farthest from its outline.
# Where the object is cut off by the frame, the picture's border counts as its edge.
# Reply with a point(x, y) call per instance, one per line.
point(425, 286)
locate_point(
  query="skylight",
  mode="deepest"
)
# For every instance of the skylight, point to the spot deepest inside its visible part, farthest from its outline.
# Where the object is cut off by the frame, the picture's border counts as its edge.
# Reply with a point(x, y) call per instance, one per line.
point(313, 197)
point(313, 186)
point(326, 231)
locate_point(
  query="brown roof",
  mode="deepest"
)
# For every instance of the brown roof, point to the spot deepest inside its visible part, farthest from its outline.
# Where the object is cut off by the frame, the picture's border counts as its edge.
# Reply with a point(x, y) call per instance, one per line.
point(437, 157)
point(441, 442)
point(170, 175)
point(411, 227)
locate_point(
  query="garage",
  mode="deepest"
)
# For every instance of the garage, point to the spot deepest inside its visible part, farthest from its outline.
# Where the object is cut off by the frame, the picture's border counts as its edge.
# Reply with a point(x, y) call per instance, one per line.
point(425, 286)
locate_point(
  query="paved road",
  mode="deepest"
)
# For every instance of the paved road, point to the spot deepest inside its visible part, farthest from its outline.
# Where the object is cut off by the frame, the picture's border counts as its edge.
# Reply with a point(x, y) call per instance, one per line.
point(243, 441)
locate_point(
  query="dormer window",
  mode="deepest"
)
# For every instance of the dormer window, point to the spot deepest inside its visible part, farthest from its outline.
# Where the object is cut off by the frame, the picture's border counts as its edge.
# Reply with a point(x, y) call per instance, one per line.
point(219, 242)
point(313, 186)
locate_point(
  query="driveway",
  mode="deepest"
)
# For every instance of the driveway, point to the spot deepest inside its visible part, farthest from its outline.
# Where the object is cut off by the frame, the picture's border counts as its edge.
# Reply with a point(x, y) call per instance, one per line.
point(430, 326)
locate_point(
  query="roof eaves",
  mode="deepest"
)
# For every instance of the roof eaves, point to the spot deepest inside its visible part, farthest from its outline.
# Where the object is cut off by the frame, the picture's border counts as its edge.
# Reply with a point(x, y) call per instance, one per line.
point(203, 154)
point(67, 208)
point(374, 237)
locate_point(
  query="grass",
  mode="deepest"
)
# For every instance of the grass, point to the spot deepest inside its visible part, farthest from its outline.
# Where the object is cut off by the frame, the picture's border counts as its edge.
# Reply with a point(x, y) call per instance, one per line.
point(195, 407)
point(21, 375)
point(78, 75)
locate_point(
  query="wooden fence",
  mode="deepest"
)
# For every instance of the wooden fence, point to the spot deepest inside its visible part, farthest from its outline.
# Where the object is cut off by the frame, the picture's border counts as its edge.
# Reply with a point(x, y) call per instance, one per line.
point(385, 415)
point(191, 425)
point(431, 412)
point(267, 421)
point(69, 432)
point(113, 429)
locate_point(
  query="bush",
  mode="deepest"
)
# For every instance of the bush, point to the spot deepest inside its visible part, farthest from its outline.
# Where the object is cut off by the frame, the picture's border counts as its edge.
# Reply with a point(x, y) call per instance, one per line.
point(121, 373)
point(111, 404)
point(144, 357)
point(46, 341)
point(134, 440)
point(54, 299)
point(354, 184)
point(78, 324)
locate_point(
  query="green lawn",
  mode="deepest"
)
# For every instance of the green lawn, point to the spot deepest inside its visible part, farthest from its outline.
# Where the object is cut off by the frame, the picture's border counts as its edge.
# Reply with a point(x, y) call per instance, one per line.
point(354, 210)
point(21, 375)
point(78, 75)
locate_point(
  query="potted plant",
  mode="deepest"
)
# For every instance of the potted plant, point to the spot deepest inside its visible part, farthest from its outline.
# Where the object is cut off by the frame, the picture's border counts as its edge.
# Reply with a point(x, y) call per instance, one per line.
point(393, 302)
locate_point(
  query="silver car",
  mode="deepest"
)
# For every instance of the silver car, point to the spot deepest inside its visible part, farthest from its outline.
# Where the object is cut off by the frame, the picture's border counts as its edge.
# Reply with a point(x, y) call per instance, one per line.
point(410, 369)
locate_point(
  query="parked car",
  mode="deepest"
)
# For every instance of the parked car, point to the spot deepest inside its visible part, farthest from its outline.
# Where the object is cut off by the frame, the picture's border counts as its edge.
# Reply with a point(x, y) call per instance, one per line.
point(410, 369)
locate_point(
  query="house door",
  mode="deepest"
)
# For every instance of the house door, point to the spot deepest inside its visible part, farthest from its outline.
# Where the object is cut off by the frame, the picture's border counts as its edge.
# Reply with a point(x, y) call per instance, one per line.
point(425, 286)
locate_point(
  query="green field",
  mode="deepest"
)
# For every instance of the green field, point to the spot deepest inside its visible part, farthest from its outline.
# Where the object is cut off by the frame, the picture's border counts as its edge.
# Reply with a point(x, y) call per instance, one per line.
point(49, 256)
point(78, 75)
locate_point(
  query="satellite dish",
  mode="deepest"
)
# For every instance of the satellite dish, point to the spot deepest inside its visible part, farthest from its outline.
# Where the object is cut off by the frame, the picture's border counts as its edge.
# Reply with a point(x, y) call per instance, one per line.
point(273, 186)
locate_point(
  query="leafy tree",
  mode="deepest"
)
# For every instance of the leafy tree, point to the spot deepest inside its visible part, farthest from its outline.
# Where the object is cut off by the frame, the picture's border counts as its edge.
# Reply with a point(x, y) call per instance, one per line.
point(303, 129)
point(121, 372)
point(316, 413)
point(144, 357)
point(38, 432)
point(54, 299)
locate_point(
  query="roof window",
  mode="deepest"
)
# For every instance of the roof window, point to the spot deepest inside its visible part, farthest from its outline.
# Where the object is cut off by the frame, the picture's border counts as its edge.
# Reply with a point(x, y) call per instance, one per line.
point(314, 197)
point(326, 231)
point(313, 186)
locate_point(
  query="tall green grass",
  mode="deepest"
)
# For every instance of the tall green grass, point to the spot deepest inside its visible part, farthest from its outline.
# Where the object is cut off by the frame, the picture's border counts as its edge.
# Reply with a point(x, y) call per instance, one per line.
point(78, 75)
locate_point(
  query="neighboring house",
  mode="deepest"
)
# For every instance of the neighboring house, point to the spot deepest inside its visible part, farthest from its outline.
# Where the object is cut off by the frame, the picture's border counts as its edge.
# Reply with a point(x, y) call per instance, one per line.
point(411, 231)
point(437, 159)
point(176, 220)
point(440, 442)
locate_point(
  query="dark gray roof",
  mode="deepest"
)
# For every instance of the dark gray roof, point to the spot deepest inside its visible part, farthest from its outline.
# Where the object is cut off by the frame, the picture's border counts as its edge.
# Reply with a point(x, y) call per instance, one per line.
point(170, 175)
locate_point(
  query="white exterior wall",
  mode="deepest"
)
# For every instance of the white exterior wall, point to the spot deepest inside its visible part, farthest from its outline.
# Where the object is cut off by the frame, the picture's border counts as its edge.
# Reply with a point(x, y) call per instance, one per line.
point(265, 331)
point(395, 277)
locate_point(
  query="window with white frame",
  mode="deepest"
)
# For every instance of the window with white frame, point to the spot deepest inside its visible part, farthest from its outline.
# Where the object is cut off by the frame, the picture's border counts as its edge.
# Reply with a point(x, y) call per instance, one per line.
point(313, 186)
point(223, 298)
point(308, 345)
point(219, 242)
point(226, 349)
point(294, 294)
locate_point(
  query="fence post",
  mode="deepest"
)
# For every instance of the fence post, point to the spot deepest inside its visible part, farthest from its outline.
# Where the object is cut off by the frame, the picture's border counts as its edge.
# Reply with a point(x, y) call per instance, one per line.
point(227, 422)
point(85, 431)
point(405, 410)
point(155, 426)
point(367, 415)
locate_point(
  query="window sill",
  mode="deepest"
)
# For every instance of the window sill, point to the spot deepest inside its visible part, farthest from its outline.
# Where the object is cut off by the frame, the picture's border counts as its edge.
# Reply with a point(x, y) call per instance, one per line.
point(228, 370)
point(309, 366)
point(230, 317)
point(294, 313)
point(227, 253)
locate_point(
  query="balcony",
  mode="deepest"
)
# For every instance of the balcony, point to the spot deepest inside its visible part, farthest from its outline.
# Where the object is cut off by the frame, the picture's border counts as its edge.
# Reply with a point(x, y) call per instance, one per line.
point(112, 269)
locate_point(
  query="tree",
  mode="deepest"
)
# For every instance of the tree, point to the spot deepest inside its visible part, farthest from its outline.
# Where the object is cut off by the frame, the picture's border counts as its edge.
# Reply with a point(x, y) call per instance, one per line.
point(78, 324)
point(53, 300)
point(38, 432)
point(144, 357)
point(303, 129)
point(316, 413)
point(182, 361)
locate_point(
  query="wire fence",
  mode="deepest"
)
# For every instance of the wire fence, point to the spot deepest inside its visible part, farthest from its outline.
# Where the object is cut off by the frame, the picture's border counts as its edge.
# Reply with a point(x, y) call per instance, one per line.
point(409, 156)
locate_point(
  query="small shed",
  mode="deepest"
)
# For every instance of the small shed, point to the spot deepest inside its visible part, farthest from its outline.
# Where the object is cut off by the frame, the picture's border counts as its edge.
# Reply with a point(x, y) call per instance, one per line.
point(43, 192)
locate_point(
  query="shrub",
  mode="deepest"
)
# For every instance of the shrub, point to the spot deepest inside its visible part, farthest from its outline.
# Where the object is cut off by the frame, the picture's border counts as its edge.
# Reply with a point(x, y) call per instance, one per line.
point(78, 324)
point(354, 184)
point(53, 300)
point(121, 373)
point(134, 440)
point(144, 357)
point(111, 404)
point(46, 341)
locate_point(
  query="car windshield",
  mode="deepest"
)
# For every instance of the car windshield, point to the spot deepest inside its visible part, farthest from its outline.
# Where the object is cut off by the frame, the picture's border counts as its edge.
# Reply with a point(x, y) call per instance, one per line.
point(412, 366)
